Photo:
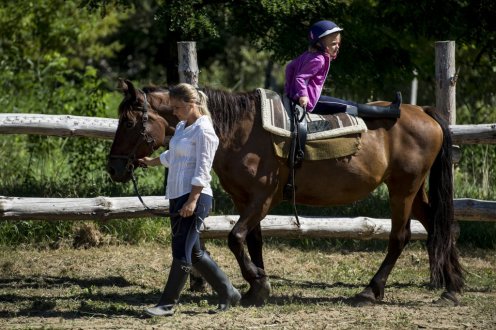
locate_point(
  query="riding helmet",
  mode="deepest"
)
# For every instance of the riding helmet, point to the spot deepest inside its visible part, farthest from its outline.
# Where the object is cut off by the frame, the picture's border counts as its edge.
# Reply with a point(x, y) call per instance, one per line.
point(321, 29)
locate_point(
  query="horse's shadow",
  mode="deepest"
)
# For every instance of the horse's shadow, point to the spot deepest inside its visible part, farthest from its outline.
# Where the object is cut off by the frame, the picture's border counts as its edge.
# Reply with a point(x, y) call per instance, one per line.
point(284, 299)
point(125, 304)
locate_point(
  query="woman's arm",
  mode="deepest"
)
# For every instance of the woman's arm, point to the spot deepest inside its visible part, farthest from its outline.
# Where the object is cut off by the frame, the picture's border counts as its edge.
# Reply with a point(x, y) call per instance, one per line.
point(162, 159)
point(149, 161)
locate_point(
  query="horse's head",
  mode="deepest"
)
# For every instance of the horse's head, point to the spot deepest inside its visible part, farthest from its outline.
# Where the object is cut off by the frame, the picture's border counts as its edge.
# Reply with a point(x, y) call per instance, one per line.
point(145, 120)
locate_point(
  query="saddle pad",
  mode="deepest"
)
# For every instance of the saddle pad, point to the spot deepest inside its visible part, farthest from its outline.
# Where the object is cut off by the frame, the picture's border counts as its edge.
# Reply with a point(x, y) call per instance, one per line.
point(337, 147)
point(275, 119)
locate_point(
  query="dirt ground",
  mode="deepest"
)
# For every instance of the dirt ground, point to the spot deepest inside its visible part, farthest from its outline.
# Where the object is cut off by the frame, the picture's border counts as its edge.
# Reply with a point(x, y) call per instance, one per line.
point(107, 288)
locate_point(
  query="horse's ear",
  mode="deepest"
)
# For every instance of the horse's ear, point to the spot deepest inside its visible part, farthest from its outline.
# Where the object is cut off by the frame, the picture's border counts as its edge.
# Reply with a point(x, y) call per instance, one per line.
point(127, 88)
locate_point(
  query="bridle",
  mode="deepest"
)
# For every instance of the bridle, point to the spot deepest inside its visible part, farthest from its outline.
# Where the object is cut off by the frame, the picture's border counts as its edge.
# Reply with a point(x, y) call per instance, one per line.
point(131, 157)
point(150, 141)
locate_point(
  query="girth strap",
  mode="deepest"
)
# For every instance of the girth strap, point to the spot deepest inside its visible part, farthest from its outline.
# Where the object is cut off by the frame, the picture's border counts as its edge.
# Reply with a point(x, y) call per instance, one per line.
point(296, 151)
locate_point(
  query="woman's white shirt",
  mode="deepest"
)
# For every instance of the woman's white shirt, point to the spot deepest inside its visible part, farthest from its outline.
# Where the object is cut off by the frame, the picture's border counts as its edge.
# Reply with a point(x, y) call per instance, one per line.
point(190, 157)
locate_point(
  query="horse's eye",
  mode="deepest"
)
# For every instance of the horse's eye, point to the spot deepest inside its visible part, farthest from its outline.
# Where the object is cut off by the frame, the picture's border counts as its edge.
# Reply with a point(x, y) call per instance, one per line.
point(129, 124)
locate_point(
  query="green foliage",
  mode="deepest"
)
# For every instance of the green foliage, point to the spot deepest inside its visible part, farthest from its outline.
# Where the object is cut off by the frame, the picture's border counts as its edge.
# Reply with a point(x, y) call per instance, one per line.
point(48, 58)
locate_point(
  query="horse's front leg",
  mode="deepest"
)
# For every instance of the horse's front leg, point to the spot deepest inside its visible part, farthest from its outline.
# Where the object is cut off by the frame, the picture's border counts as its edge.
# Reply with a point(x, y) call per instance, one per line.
point(254, 241)
point(249, 225)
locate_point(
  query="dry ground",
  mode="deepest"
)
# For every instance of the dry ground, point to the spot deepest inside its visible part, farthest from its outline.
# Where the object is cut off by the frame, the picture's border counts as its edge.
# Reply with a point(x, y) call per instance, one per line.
point(107, 288)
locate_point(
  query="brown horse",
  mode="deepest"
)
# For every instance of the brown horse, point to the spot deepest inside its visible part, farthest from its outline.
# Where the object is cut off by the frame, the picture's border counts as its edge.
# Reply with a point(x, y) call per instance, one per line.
point(399, 152)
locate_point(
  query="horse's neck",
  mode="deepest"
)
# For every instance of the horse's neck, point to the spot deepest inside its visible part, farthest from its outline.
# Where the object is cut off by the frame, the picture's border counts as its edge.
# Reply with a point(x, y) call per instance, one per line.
point(231, 114)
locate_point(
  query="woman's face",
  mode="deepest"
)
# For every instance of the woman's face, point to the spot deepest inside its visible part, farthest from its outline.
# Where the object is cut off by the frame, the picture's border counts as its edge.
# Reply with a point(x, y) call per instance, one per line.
point(331, 43)
point(182, 110)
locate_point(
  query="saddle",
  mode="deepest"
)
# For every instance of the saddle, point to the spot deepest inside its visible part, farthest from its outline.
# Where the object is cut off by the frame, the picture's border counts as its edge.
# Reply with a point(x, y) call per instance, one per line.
point(327, 136)
point(298, 135)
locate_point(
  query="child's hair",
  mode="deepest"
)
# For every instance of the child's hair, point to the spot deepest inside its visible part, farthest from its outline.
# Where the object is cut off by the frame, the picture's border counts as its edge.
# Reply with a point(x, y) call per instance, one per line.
point(188, 93)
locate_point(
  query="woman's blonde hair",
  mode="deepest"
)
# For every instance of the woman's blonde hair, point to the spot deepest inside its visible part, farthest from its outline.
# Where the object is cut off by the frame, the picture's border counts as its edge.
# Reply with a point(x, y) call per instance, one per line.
point(188, 93)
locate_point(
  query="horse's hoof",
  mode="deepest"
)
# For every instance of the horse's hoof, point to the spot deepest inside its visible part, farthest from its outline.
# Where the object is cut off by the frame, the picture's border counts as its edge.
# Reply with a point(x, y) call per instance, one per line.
point(360, 301)
point(257, 294)
point(447, 299)
point(364, 298)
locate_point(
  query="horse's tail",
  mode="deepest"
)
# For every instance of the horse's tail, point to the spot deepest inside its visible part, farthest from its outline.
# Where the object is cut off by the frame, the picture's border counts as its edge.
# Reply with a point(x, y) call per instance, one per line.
point(445, 266)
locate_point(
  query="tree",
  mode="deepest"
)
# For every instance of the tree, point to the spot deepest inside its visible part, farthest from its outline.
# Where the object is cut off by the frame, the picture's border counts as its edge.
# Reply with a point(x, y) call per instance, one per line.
point(383, 41)
point(50, 51)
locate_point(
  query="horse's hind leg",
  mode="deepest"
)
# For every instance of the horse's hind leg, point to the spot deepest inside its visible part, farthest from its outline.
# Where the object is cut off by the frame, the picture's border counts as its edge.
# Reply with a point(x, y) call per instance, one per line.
point(422, 212)
point(398, 238)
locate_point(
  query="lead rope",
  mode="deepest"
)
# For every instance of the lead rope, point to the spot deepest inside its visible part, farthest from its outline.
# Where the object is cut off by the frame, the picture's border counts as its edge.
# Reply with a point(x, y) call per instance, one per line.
point(131, 166)
point(133, 178)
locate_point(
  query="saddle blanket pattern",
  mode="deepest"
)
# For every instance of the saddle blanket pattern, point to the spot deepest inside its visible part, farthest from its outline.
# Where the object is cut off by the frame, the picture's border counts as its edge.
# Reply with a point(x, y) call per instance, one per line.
point(276, 119)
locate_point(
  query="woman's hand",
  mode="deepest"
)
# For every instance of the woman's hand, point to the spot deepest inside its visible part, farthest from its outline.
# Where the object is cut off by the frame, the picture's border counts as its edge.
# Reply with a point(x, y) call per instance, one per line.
point(190, 206)
point(149, 161)
point(188, 209)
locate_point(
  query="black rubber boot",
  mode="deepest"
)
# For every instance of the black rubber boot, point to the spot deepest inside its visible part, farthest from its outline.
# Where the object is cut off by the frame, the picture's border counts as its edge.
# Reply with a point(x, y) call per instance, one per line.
point(374, 111)
point(170, 296)
point(228, 294)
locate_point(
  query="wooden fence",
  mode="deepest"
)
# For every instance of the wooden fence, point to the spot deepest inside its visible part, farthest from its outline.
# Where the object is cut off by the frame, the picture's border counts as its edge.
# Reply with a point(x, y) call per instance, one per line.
point(105, 208)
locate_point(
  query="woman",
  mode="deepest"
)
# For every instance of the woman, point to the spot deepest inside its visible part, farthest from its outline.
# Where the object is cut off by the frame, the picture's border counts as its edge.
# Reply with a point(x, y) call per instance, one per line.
point(189, 158)
point(306, 75)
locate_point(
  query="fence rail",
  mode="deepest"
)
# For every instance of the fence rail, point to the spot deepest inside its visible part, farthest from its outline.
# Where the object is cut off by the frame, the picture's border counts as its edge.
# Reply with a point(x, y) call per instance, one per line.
point(57, 125)
point(106, 208)
point(104, 128)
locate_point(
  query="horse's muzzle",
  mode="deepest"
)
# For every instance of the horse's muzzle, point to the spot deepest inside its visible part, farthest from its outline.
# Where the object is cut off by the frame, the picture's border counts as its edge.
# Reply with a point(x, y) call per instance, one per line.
point(118, 170)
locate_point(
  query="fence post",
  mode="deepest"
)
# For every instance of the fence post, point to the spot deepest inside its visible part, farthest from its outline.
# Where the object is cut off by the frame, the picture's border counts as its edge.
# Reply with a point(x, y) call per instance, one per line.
point(188, 73)
point(446, 83)
point(446, 80)
point(188, 64)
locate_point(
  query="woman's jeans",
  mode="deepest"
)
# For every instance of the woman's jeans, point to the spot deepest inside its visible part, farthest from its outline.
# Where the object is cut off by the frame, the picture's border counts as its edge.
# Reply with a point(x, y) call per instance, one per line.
point(186, 231)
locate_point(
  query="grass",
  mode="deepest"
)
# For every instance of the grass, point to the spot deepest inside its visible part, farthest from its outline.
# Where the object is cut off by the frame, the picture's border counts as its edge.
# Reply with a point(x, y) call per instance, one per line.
point(108, 287)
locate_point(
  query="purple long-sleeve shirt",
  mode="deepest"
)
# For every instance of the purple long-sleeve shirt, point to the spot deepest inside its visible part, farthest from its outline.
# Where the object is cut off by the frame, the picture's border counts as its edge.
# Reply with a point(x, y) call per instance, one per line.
point(306, 75)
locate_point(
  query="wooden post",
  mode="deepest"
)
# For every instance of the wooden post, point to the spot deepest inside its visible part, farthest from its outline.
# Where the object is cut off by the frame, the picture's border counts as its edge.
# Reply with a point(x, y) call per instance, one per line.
point(446, 84)
point(188, 64)
point(446, 80)
point(188, 73)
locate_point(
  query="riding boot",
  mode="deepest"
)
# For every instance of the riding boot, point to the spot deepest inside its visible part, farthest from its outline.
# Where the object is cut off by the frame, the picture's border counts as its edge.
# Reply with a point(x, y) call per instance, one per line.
point(170, 296)
point(228, 294)
point(374, 111)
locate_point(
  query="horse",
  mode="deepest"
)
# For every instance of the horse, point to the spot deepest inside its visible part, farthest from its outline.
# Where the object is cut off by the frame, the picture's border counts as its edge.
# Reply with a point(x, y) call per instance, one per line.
point(406, 153)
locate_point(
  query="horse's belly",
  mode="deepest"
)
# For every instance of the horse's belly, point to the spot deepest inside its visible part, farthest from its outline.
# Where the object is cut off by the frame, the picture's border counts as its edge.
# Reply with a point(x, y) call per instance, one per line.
point(331, 183)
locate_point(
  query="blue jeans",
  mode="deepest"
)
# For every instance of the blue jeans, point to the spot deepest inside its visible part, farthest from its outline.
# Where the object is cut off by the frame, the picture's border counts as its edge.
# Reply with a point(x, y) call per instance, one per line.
point(186, 231)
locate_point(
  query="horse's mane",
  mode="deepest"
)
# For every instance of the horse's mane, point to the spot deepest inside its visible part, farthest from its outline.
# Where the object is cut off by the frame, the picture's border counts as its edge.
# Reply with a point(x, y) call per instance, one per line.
point(154, 89)
point(228, 108)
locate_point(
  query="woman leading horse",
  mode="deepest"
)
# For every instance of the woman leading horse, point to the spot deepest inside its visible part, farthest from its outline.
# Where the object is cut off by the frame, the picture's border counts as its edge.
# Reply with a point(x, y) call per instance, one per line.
point(398, 152)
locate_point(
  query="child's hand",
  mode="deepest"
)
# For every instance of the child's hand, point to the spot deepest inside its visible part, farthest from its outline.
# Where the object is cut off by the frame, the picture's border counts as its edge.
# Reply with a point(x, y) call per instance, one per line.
point(303, 101)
